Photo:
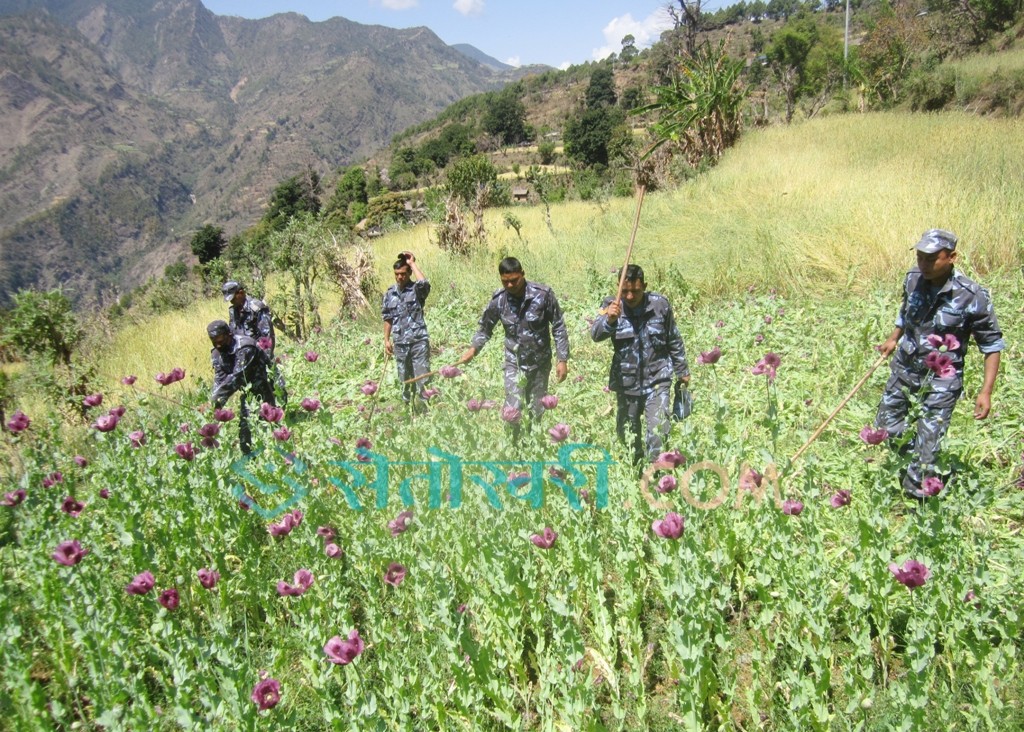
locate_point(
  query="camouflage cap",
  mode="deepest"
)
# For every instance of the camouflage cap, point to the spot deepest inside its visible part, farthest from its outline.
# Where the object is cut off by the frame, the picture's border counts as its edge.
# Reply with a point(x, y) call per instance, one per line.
point(935, 240)
point(216, 328)
point(229, 288)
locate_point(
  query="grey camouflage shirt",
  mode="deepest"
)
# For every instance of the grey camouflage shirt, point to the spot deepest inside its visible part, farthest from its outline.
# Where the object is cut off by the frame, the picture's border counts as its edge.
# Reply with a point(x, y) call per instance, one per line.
point(529, 323)
point(252, 319)
point(404, 310)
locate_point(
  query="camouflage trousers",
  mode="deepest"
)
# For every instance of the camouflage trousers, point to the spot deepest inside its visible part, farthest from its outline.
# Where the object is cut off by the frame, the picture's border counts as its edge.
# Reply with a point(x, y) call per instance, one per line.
point(656, 408)
point(527, 387)
point(258, 392)
point(412, 360)
point(937, 401)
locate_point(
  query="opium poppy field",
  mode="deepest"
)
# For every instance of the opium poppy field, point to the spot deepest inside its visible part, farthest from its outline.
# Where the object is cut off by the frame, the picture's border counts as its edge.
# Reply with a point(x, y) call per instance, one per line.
point(155, 580)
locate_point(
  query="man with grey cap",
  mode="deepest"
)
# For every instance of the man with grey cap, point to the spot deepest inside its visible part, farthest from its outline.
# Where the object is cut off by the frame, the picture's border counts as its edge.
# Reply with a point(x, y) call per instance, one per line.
point(941, 310)
point(251, 316)
point(239, 365)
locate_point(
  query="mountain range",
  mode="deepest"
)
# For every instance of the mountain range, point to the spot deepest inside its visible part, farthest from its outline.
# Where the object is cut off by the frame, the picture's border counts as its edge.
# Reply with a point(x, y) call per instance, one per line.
point(127, 124)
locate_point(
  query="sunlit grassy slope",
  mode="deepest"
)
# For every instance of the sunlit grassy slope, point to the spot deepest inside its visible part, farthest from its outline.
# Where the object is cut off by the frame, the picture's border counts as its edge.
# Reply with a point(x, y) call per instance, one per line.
point(815, 207)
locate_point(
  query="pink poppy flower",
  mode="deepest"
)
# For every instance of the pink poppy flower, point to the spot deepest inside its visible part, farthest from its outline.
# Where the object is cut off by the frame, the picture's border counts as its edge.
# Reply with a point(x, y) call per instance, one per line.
point(53, 479)
point(369, 388)
point(117, 411)
point(93, 400)
point(669, 460)
point(751, 480)
point(326, 532)
point(13, 498)
point(559, 433)
point(343, 652)
point(270, 413)
point(303, 580)
point(185, 451)
point(395, 574)
point(69, 553)
point(141, 584)
point(332, 550)
point(840, 498)
point(511, 415)
point(932, 486)
point(104, 493)
point(546, 539)
point(266, 694)
point(549, 401)
point(670, 527)
point(208, 578)
point(71, 507)
point(137, 438)
point(223, 415)
point(792, 507)
point(873, 436)
point(450, 372)
point(430, 393)
point(768, 319)
point(710, 357)
point(264, 343)
point(912, 574)
point(400, 523)
point(169, 598)
point(282, 434)
point(474, 405)
point(310, 404)
point(18, 422)
point(128, 380)
point(666, 484)
point(105, 423)
point(312, 356)
point(210, 429)
point(80, 461)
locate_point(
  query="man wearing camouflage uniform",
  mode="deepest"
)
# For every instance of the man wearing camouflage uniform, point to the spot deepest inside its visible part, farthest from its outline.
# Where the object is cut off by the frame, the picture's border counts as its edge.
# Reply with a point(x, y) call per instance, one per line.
point(250, 316)
point(648, 352)
point(530, 314)
point(941, 310)
point(405, 331)
point(238, 365)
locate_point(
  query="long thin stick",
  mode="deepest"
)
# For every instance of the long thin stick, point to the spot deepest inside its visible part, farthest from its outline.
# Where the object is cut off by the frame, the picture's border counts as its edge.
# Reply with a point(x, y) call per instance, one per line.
point(817, 433)
point(380, 381)
point(421, 377)
point(641, 191)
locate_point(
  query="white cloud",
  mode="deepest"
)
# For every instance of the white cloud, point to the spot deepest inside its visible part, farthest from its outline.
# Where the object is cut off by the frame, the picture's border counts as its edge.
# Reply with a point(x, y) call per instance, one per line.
point(399, 4)
point(469, 7)
point(564, 65)
point(646, 32)
point(514, 61)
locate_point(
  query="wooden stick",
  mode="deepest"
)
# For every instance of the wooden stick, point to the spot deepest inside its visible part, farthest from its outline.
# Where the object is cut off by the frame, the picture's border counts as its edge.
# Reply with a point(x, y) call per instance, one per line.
point(817, 433)
point(641, 191)
point(421, 377)
point(380, 383)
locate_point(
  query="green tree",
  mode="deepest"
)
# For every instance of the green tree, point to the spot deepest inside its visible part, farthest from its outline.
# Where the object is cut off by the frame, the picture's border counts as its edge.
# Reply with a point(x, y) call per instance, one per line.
point(351, 189)
point(42, 324)
point(791, 45)
point(601, 90)
point(469, 179)
point(293, 196)
point(208, 243)
point(629, 50)
point(546, 151)
point(506, 116)
point(590, 136)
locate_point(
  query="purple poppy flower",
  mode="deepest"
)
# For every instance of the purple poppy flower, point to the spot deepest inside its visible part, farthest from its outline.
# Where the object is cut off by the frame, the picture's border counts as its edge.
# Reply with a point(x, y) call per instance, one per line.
point(395, 574)
point(223, 415)
point(710, 357)
point(14, 498)
point(80, 461)
point(474, 405)
point(185, 451)
point(792, 507)
point(873, 436)
point(666, 484)
point(768, 319)
point(912, 574)
point(283, 528)
point(71, 507)
point(759, 338)
point(53, 479)
point(511, 415)
point(364, 443)
point(450, 372)
point(763, 367)
point(400, 523)
point(751, 480)
point(310, 404)
point(670, 527)
point(332, 550)
point(941, 364)
point(546, 539)
point(184, 428)
point(18, 422)
point(137, 438)
point(141, 584)
point(270, 413)
point(169, 598)
point(312, 356)
point(69, 553)
point(971, 597)
point(840, 498)
point(367, 341)
point(177, 373)
point(93, 400)
point(266, 694)
point(208, 578)
point(303, 580)
point(105, 423)
point(104, 493)
point(282, 434)
point(430, 393)
point(264, 343)
point(369, 387)
point(549, 401)
point(326, 532)
point(129, 380)
point(210, 429)
point(948, 342)
point(932, 486)
point(559, 433)
point(772, 360)
point(117, 411)
point(670, 459)
point(343, 652)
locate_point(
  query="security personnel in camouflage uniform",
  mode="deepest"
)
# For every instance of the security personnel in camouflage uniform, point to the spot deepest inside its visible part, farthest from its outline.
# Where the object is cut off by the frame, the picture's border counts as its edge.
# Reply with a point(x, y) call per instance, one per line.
point(405, 332)
point(648, 352)
point(529, 313)
point(250, 316)
point(941, 310)
point(238, 365)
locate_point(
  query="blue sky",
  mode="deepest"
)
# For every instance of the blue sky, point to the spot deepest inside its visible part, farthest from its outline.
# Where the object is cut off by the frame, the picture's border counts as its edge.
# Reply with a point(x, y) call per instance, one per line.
point(552, 32)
